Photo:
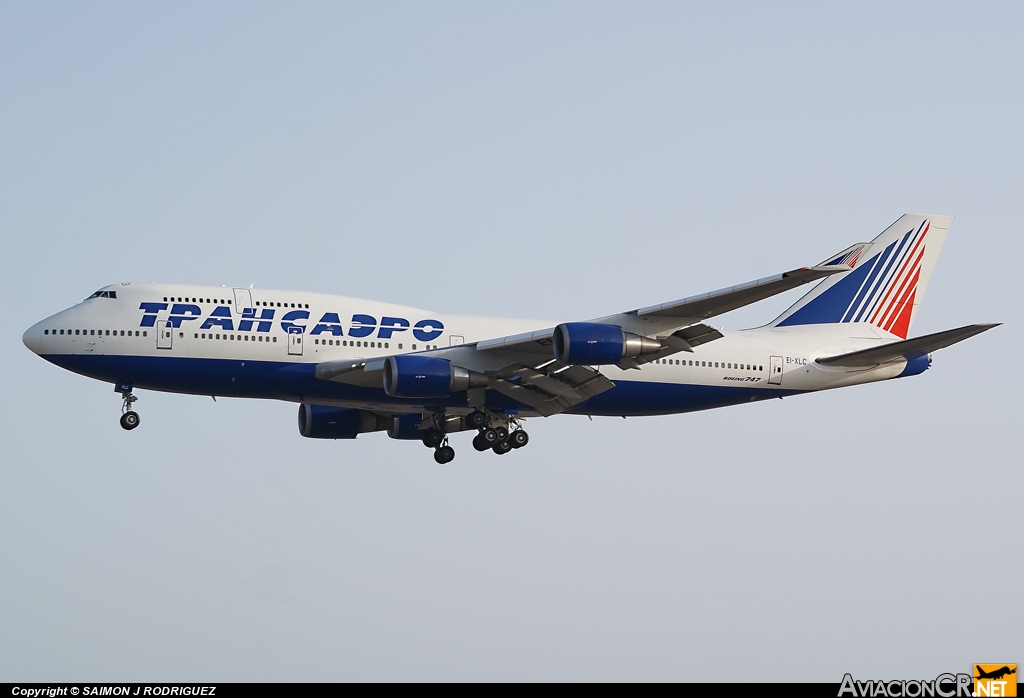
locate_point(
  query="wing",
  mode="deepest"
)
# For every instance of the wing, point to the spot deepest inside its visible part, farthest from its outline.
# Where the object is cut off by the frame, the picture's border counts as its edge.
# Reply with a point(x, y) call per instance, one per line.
point(523, 367)
point(906, 349)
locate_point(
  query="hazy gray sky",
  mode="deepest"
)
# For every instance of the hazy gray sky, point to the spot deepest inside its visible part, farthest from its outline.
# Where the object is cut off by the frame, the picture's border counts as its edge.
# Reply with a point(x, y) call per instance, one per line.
point(526, 159)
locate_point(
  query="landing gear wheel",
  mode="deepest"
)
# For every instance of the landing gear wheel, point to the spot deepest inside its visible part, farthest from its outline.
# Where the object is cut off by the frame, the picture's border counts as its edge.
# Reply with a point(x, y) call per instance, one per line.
point(518, 438)
point(434, 438)
point(445, 454)
point(479, 443)
point(476, 420)
point(502, 433)
point(129, 420)
point(502, 447)
point(489, 437)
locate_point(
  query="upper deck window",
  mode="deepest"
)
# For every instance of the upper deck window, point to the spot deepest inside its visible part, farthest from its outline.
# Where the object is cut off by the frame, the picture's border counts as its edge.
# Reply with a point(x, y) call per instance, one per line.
point(103, 294)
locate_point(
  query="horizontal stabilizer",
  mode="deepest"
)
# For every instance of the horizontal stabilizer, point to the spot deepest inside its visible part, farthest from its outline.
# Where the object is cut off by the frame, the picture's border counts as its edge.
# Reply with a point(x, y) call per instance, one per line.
point(907, 349)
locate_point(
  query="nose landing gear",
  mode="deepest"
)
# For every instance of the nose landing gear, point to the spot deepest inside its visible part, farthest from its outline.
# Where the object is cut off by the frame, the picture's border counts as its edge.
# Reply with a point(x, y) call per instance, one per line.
point(129, 417)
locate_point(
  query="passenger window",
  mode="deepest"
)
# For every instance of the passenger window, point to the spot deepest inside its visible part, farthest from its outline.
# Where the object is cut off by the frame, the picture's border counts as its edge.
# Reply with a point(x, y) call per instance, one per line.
point(414, 347)
point(197, 335)
point(387, 345)
point(399, 345)
point(46, 332)
point(275, 339)
point(145, 333)
point(122, 333)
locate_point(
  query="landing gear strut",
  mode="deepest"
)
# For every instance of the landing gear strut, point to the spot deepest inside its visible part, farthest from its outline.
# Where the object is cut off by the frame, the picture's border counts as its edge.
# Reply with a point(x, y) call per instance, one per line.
point(435, 438)
point(129, 417)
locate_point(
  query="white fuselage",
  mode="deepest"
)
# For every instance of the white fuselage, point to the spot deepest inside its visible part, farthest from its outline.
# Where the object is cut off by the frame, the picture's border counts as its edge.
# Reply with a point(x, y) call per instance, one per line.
point(202, 340)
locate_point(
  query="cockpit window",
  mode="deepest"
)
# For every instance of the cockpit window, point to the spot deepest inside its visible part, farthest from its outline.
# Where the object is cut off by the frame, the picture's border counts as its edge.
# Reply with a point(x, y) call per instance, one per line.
point(103, 294)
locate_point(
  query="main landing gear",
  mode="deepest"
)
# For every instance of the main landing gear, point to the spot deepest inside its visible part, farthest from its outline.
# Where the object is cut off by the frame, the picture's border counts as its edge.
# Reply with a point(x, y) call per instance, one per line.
point(435, 438)
point(495, 432)
point(500, 434)
point(129, 417)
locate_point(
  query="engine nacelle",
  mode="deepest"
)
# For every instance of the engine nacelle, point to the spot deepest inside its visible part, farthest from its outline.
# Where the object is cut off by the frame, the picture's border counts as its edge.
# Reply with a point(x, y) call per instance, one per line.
point(424, 376)
point(323, 422)
point(594, 344)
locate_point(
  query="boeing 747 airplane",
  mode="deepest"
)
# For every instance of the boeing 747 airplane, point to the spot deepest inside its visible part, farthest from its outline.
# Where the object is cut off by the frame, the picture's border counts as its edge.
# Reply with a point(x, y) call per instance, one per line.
point(356, 366)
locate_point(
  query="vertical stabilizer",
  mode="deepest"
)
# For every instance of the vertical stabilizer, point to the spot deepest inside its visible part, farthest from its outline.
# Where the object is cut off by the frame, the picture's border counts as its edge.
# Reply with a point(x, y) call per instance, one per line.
point(886, 284)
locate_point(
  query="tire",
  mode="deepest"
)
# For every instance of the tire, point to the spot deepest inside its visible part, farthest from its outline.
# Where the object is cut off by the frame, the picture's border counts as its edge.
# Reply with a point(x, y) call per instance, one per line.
point(489, 437)
point(129, 420)
point(433, 438)
point(476, 420)
point(518, 438)
point(502, 447)
point(479, 443)
point(445, 454)
point(502, 433)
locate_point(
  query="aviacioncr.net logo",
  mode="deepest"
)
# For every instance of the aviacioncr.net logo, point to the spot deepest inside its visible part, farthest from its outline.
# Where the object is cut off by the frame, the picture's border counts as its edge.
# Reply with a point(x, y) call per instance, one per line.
point(942, 686)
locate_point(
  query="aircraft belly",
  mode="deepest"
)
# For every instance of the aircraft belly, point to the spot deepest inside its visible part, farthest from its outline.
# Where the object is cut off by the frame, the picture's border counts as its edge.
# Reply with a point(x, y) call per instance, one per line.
point(642, 398)
point(297, 382)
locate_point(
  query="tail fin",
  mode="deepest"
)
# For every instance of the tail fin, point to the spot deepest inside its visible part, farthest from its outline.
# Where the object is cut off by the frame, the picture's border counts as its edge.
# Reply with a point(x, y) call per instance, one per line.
point(886, 284)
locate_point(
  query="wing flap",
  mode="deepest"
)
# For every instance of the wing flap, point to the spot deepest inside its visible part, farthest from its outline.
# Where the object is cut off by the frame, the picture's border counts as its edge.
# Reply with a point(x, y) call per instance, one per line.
point(906, 349)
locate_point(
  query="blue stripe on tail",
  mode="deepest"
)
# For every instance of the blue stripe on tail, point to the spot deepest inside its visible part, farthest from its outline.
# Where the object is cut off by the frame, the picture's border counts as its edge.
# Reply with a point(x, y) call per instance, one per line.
point(831, 305)
point(893, 260)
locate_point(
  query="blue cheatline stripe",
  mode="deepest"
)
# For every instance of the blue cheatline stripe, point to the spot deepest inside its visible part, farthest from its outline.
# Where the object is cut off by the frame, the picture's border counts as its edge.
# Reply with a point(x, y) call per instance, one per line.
point(297, 382)
point(883, 278)
point(880, 261)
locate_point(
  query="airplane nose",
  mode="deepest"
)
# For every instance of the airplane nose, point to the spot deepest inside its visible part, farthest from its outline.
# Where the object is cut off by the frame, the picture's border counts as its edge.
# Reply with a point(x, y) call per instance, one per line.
point(33, 339)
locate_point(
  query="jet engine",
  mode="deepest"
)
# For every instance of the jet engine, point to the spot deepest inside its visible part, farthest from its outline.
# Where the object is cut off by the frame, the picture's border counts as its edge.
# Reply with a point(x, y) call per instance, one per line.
point(424, 376)
point(323, 422)
point(593, 344)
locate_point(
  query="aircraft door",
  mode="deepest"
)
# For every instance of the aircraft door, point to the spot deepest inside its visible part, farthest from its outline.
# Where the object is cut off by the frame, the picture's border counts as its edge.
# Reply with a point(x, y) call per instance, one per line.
point(775, 368)
point(243, 300)
point(295, 341)
point(164, 334)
